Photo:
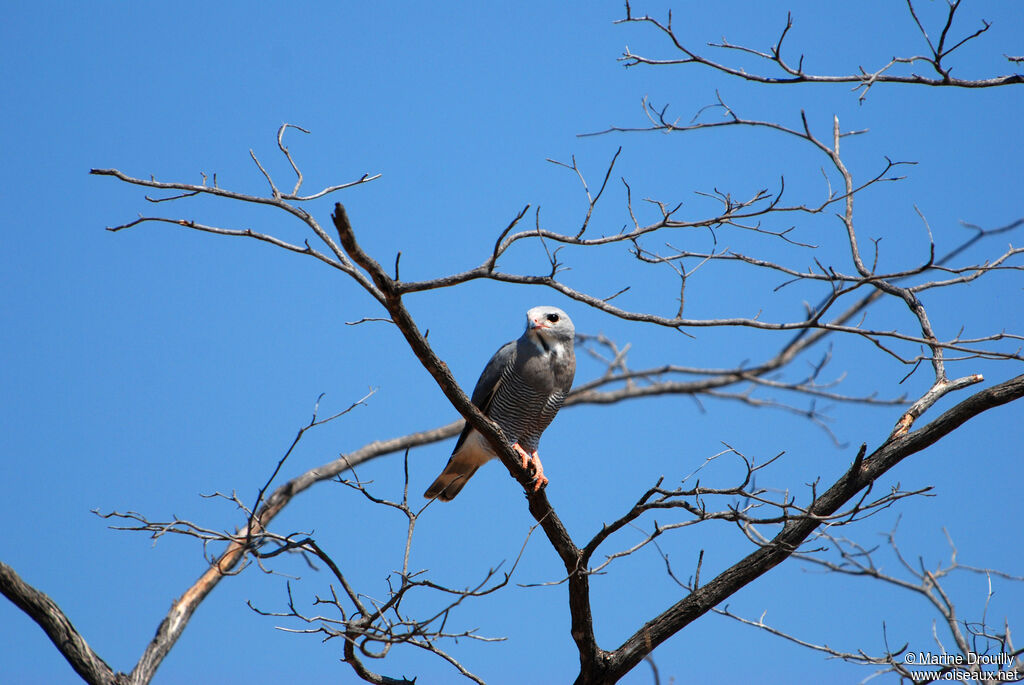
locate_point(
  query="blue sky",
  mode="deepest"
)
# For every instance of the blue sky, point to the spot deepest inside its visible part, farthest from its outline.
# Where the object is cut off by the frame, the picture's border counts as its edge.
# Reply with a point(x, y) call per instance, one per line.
point(146, 367)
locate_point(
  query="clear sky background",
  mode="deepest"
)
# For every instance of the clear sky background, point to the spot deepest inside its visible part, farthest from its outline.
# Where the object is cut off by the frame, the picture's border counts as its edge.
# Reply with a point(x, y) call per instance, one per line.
point(143, 368)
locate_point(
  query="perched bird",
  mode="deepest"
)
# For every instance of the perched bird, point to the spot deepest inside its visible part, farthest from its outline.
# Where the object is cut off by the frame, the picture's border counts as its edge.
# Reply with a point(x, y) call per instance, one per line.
point(521, 389)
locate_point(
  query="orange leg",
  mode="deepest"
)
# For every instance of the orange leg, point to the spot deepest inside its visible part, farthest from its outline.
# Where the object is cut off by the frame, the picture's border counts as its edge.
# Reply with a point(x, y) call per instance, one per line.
point(540, 480)
point(522, 454)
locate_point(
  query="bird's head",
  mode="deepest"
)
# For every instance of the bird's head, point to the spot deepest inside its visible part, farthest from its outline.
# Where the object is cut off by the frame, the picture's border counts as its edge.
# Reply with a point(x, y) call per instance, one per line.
point(549, 324)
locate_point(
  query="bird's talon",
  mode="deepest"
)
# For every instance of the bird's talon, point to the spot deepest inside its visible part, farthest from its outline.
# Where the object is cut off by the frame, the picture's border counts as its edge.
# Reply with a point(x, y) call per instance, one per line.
point(540, 480)
point(523, 456)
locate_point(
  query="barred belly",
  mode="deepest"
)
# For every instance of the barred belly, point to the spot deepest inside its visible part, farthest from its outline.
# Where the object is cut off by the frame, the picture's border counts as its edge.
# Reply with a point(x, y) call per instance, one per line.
point(521, 410)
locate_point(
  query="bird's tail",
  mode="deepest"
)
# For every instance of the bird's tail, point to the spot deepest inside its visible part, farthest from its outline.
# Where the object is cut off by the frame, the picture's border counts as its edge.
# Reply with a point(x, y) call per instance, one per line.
point(451, 480)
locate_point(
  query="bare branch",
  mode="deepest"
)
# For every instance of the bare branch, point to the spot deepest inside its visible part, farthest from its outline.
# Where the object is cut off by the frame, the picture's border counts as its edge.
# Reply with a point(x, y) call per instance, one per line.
point(795, 73)
point(57, 627)
point(787, 541)
point(858, 561)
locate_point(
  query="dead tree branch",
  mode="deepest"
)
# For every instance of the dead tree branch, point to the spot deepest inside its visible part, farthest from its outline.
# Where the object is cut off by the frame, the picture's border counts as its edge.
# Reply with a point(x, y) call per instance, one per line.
point(791, 72)
point(58, 628)
point(861, 474)
point(971, 638)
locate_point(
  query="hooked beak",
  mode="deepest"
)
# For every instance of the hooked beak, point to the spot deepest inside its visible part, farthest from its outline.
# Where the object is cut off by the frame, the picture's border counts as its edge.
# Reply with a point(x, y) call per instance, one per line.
point(535, 326)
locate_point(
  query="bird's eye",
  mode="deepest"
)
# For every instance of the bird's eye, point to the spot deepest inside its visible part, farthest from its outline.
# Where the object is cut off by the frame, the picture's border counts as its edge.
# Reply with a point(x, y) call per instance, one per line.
point(552, 318)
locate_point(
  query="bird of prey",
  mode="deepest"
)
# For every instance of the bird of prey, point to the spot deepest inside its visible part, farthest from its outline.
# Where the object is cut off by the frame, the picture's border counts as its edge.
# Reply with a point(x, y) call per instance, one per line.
point(521, 389)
